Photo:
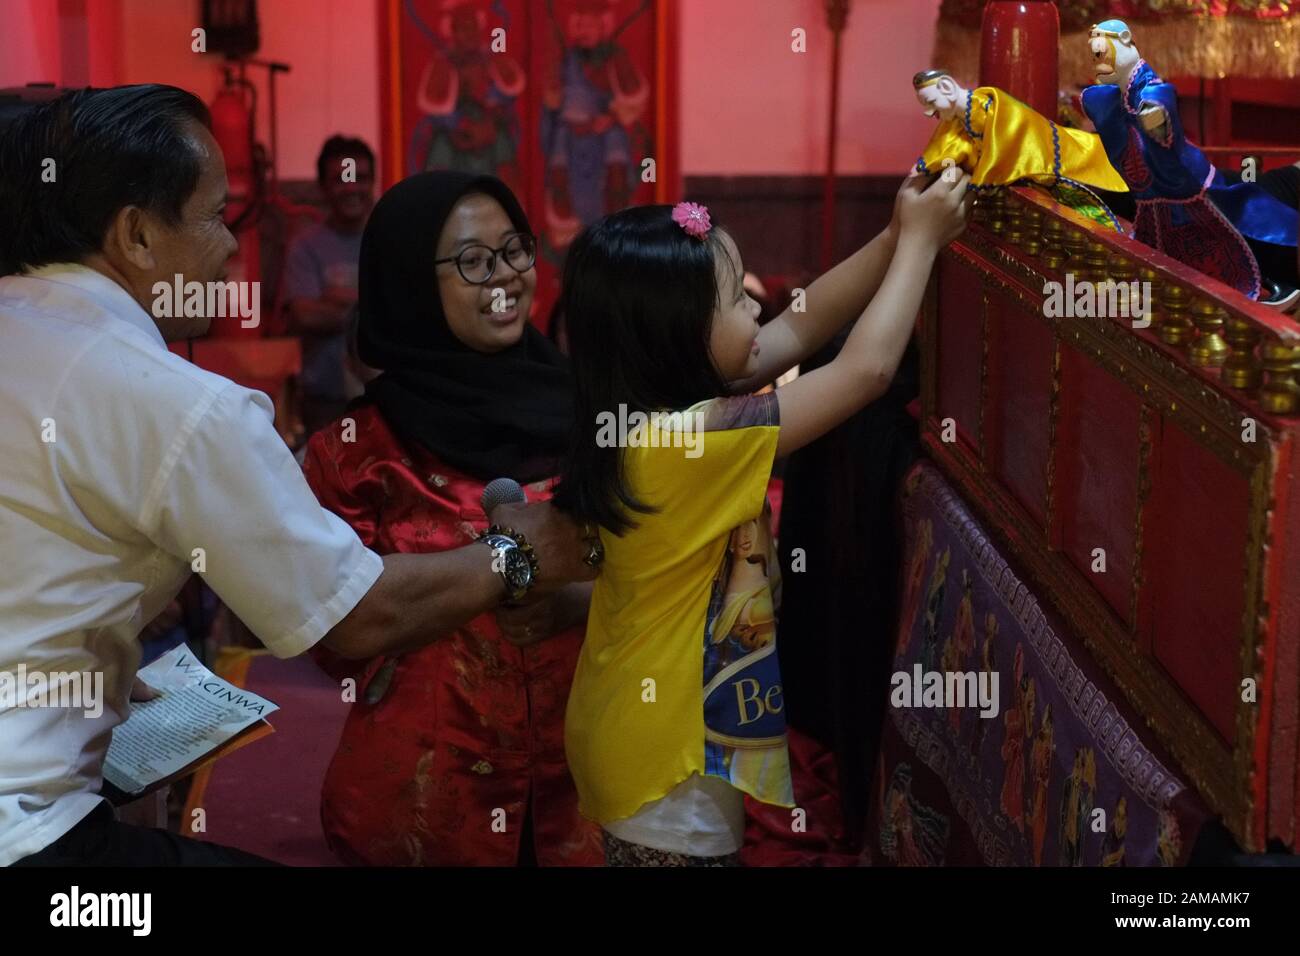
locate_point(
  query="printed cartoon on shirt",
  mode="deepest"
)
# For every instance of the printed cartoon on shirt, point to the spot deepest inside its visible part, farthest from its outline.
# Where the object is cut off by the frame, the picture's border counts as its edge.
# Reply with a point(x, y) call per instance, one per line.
point(744, 713)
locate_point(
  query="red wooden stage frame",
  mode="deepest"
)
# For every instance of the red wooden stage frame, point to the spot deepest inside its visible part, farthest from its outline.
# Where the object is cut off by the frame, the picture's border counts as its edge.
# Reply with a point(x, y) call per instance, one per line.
point(1171, 448)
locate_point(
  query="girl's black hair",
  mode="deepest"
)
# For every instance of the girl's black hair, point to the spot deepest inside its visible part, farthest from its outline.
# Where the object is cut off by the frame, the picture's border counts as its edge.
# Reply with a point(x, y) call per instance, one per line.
point(638, 299)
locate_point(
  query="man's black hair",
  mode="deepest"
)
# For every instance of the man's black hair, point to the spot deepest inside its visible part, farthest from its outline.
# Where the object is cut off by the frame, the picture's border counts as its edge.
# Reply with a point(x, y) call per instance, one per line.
point(342, 147)
point(67, 167)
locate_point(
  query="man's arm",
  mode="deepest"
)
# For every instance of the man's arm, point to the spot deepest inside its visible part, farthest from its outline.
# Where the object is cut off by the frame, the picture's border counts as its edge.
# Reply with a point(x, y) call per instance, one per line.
point(417, 597)
point(237, 507)
point(421, 597)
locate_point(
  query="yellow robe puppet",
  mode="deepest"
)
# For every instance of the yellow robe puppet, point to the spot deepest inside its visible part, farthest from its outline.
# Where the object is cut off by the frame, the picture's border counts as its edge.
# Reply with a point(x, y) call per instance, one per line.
point(1001, 141)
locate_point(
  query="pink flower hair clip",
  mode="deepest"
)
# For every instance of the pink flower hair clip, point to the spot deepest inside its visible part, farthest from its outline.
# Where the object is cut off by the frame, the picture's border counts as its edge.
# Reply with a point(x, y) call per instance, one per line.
point(693, 218)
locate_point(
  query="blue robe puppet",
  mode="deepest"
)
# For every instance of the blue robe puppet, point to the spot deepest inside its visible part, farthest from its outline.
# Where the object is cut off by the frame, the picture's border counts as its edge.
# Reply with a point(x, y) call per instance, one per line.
point(1185, 207)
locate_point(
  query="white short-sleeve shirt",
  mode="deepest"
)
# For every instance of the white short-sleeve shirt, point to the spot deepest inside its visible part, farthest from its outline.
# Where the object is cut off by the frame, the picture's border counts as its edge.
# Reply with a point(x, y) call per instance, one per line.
point(121, 467)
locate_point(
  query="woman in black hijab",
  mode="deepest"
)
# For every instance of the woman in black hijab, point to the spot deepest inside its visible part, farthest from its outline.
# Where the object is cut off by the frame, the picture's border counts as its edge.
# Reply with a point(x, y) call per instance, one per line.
point(453, 754)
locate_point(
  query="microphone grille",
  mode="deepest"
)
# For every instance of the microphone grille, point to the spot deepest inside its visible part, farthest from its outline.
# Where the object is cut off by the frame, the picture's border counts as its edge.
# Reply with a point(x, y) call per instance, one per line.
point(501, 491)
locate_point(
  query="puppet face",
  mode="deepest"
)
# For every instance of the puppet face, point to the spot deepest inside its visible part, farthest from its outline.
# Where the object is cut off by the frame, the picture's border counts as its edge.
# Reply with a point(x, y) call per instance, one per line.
point(942, 98)
point(1113, 52)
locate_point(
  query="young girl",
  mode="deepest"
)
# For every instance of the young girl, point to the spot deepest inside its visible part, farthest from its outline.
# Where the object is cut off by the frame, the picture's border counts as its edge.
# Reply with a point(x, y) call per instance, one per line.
point(676, 709)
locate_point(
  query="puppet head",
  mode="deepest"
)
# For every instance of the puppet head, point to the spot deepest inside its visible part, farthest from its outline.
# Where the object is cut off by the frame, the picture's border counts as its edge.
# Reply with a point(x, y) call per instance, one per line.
point(1114, 54)
point(939, 94)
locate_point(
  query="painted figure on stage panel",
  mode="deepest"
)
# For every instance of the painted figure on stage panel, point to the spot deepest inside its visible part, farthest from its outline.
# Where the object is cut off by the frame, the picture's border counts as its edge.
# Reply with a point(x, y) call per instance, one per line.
point(1040, 772)
point(915, 578)
point(1076, 807)
point(934, 611)
point(988, 666)
point(1112, 846)
point(1013, 750)
point(1028, 709)
point(595, 95)
point(467, 92)
point(1186, 207)
point(957, 650)
point(1169, 838)
point(911, 834)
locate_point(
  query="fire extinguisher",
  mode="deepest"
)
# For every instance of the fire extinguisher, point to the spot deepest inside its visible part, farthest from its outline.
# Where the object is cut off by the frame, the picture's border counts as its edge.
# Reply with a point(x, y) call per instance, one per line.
point(233, 110)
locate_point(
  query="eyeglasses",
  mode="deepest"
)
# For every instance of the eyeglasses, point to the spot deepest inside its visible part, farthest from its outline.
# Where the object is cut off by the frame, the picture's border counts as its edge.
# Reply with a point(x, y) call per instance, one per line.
point(478, 263)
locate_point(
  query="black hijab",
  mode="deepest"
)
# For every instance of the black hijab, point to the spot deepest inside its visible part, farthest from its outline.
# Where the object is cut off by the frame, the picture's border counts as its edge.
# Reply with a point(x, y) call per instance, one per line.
point(508, 413)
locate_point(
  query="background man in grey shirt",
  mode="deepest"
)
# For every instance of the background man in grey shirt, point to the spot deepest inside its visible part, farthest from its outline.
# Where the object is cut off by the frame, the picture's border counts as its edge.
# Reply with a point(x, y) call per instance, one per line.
point(320, 278)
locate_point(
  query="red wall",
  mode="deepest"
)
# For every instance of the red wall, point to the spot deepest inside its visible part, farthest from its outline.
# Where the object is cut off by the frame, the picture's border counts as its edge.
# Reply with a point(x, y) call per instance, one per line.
point(752, 106)
point(749, 104)
point(332, 46)
point(29, 42)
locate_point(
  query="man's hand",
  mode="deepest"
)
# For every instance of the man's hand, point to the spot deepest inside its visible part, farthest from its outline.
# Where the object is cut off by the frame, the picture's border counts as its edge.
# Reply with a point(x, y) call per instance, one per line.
point(160, 626)
point(527, 624)
point(420, 597)
point(142, 691)
point(560, 543)
point(535, 621)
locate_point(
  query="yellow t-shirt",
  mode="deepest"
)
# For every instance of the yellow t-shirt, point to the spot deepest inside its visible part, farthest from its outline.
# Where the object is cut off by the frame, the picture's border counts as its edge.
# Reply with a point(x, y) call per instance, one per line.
point(678, 672)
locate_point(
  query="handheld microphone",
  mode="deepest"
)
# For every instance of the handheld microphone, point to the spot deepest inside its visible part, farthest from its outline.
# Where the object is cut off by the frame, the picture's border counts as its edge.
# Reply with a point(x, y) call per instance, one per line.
point(501, 491)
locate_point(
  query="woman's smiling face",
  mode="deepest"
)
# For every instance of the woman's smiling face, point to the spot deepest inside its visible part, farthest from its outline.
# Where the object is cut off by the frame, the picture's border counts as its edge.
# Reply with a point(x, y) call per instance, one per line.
point(482, 318)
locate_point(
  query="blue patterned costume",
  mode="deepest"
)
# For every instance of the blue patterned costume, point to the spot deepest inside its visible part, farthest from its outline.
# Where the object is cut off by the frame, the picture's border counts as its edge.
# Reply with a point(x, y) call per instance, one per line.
point(1185, 207)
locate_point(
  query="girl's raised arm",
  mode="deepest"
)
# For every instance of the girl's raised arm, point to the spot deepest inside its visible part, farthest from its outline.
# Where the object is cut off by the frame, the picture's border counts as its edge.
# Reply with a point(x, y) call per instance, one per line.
point(929, 217)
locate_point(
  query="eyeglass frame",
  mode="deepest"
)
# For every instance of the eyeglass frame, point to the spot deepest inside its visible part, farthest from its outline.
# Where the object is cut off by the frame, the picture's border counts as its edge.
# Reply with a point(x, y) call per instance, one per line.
point(497, 255)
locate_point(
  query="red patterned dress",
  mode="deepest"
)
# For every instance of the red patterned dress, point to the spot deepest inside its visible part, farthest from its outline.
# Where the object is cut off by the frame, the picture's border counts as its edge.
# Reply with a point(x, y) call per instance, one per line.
point(471, 729)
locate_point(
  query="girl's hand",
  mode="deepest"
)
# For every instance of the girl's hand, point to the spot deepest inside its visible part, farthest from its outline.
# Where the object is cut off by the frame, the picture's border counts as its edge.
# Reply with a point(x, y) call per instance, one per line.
point(934, 213)
point(912, 175)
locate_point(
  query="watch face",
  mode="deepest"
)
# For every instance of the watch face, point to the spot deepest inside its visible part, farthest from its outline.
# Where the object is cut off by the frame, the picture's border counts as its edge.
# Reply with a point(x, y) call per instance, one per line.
point(518, 570)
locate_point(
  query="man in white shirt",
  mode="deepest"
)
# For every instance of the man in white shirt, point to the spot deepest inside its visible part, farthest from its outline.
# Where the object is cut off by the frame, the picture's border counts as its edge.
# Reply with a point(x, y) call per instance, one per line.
point(122, 467)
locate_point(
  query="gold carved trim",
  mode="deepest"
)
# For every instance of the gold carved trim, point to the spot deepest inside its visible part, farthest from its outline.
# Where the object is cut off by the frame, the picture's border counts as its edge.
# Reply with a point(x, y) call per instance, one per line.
point(1051, 520)
point(1145, 422)
point(1254, 620)
point(982, 418)
point(1153, 374)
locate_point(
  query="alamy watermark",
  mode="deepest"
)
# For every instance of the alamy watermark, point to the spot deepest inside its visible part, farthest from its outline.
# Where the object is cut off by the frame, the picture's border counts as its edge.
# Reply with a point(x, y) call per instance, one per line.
point(1107, 299)
point(212, 300)
point(133, 911)
point(74, 690)
point(626, 429)
point(946, 689)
